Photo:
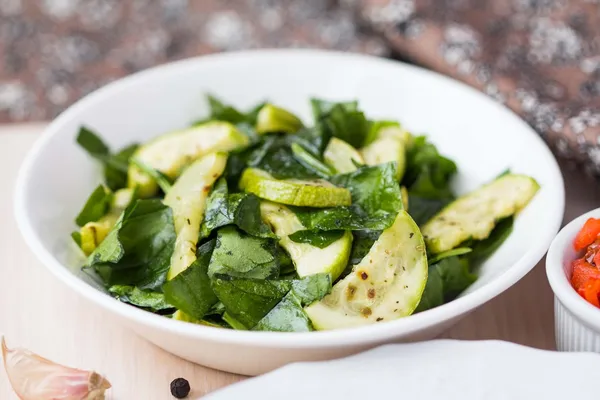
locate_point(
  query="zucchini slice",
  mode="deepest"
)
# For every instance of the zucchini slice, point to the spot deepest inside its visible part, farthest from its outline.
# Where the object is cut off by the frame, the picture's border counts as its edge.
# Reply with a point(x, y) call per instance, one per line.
point(342, 156)
point(187, 198)
point(387, 284)
point(474, 215)
point(294, 192)
point(307, 259)
point(172, 152)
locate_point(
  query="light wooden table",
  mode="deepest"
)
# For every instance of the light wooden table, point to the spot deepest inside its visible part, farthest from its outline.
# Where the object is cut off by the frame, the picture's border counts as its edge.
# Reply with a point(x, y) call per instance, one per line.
point(42, 314)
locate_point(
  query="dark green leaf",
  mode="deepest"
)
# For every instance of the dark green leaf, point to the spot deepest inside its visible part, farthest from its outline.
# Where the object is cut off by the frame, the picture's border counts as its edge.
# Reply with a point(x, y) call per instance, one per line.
point(447, 279)
point(96, 206)
point(161, 179)
point(276, 157)
point(287, 316)
point(484, 248)
point(137, 251)
point(92, 143)
point(249, 300)
point(285, 263)
point(362, 243)
point(433, 295)
point(349, 125)
point(190, 291)
point(322, 108)
point(153, 301)
point(427, 179)
point(313, 139)
point(320, 239)
point(243, 256)
point(310, 162)
point(422, 209)
point(240, 209)
point(115, 167)
point(224, 112)
point(376, 200)
point(311, 288)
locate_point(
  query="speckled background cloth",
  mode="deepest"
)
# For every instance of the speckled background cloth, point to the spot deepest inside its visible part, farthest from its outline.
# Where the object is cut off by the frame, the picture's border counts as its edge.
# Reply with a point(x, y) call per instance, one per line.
point(539, 57)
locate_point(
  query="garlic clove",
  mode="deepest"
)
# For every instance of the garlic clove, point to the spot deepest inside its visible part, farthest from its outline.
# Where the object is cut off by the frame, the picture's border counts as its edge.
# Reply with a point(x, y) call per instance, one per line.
point(35, 378)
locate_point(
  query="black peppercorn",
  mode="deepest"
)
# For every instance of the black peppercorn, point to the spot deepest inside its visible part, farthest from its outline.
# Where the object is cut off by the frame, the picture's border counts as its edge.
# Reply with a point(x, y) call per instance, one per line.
point(180, 388)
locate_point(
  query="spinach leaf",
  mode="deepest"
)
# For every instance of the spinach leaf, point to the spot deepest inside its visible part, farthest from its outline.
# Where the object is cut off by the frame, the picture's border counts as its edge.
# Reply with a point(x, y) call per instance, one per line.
point(92, 143)
point(427, 179)
point(224, 112)
point(347, 123)
point(286, 265)
point(153, 301)
point(376, 200)
point(96, 206)
point(161, 179)
point(190, 291)
point(310, 162)
point(321, 108)
point(249, 300)
point(361, 245)
point(311, 288)
point(137, 251)
point(287, 316)
point(422, 209)
point(433, 295)
point(482, 249)
point(313, 139)
point(115, 166)
point(320, 239)
point(243, 256)
point(275, 156)
point(240, 209)
point(447, 279)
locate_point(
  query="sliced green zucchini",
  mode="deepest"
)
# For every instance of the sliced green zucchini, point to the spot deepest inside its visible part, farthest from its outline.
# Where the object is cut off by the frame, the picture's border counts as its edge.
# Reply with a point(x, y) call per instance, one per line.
point(386, 149)
point(307, 259)
point(342, 156)
point(317, 193)
point(187, 198)
point(387, 284)
point(172, 152)
point(93, 233)
point(271, 118)
point(474, 215)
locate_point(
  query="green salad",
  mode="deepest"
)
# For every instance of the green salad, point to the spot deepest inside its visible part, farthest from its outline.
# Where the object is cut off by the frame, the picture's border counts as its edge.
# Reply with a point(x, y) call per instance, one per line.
point(257, 221)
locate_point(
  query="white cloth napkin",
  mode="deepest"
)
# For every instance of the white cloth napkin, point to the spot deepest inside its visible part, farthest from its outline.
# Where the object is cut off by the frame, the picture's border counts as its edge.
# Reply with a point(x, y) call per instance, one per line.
point(440, 369)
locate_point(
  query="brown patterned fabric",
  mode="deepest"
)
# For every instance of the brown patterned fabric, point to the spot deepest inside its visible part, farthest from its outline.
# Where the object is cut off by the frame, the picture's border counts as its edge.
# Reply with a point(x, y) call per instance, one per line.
point(541, 58)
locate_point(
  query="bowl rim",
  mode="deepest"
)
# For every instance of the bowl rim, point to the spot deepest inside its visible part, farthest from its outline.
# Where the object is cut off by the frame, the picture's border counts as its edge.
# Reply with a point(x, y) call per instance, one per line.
point(557, 278)
point(319, 339)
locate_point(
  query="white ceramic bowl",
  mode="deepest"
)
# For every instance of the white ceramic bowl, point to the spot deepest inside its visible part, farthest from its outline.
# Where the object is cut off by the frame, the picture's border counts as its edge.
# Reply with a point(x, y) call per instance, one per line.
point(577, 323)
point(481, 135)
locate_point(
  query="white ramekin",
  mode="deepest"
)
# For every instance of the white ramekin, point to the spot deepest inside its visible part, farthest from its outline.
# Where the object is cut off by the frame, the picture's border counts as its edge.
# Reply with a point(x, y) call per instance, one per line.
point(577, 323)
